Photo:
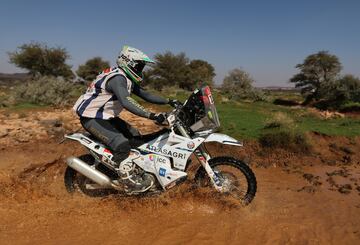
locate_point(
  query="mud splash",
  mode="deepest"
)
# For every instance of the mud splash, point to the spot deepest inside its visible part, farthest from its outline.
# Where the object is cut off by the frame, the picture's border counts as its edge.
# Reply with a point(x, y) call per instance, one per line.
point(35, 208)
point(311, 199)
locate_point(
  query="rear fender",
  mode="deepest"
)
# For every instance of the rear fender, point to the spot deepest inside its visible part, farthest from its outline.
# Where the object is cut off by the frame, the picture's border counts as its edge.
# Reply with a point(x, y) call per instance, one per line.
point(89, 143)
point(223, 139)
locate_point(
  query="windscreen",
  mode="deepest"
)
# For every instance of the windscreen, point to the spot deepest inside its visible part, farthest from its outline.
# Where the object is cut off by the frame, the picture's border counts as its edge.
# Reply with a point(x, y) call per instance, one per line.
point(200, 111)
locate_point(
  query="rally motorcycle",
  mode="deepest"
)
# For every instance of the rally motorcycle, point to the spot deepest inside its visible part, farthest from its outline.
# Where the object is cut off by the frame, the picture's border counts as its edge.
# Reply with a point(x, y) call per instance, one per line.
point(165, 156)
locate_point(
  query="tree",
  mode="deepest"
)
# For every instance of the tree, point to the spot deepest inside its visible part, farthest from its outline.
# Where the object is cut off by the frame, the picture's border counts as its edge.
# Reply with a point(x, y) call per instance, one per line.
point(237, 84)
point(176, 69)
point(91, 68)
point(317, 72)
point(201, 72)
point(169, 70)
point(346, 89)
point(39, 59)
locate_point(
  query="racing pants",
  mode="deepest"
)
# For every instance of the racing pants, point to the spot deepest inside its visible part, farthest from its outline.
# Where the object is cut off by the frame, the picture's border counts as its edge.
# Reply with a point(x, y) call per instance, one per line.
point(114, 132)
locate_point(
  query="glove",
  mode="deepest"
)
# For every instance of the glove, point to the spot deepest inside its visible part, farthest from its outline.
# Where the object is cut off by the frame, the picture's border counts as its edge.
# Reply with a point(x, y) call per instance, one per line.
point(174, 103)
point(159, 118)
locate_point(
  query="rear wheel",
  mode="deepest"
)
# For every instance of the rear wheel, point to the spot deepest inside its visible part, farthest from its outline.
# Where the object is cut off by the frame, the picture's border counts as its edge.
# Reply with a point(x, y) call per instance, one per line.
point(237, 179)
point(74, 181)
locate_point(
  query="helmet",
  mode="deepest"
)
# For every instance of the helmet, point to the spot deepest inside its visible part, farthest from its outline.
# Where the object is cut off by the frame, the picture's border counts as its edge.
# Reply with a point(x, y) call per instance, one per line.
point(133, 61)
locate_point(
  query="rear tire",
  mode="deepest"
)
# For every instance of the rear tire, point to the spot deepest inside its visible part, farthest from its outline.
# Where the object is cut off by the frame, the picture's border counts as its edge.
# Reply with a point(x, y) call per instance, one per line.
point(74, 181)
point(219, 165)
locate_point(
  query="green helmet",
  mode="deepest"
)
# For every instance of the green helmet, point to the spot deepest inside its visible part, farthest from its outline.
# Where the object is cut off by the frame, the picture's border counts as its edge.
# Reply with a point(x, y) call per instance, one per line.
point(133, 61)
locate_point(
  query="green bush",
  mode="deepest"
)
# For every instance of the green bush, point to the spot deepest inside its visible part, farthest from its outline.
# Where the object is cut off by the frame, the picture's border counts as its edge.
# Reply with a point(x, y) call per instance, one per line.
point(286, 139)
point(48, 91)
point(280, 120)
point(280, 131)
point(237, 85)
point(92, 68)
point(350, 107)
point(342, 94)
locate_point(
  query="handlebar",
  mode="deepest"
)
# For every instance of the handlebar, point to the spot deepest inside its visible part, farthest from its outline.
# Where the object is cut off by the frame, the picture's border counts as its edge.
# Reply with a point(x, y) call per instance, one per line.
point(172, 116)
point(176, 103)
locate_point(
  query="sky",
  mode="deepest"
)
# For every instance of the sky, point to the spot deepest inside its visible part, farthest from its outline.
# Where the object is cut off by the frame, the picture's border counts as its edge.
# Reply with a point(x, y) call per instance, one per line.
point(265, 38)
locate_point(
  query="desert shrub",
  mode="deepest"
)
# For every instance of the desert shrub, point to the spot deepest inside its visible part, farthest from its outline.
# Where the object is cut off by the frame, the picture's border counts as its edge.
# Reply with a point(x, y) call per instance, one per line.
point(280, 131)
point(48, 91)
point(350, 106)
point(286, 139)
point(343, 91)
point(92, 68)
point(237, 85)
point(280, 120)
point(257, 95)
point(6, 101)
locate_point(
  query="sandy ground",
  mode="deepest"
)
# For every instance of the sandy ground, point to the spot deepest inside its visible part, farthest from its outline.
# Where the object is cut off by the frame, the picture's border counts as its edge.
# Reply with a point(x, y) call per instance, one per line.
point(312, 199)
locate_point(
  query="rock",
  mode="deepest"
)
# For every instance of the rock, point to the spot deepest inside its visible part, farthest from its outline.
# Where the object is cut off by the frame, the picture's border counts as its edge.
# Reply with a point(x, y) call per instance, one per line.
point(314, 180)
point(51, 123)
point(345, 189)
point(4, 132)
point(308, 189)
point(58, 130)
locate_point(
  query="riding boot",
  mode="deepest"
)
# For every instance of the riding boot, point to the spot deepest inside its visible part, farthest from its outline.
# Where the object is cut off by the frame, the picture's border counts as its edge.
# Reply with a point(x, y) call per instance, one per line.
point(132, 181)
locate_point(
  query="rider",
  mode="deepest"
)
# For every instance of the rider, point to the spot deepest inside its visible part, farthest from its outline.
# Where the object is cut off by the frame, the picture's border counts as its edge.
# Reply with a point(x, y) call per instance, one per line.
point(105, 98)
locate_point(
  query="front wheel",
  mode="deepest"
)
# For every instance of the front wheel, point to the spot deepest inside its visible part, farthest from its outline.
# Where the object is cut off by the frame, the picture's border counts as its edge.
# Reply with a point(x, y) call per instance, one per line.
point(237, 179)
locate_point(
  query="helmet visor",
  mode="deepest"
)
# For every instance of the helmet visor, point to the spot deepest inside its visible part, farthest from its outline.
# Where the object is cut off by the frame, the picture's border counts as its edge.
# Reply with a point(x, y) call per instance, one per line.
point(138, 68)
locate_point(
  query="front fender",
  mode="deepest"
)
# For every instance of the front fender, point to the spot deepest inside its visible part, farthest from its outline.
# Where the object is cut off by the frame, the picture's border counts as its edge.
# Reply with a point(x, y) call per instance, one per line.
point(223, 139)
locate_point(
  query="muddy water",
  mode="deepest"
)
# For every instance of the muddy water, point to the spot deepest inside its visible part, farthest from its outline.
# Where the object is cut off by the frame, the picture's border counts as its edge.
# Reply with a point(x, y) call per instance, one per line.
point(288, 208)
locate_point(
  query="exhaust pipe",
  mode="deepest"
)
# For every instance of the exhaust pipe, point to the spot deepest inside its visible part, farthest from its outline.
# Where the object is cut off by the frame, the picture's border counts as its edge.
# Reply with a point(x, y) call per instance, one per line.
point(91, 173)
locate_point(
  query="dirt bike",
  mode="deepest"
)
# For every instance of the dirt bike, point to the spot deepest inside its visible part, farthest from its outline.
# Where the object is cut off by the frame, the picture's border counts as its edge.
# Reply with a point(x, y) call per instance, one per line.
point(165, 156)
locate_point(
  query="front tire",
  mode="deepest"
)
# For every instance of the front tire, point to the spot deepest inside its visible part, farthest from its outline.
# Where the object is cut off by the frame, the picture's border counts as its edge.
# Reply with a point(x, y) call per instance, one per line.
point(233, 173)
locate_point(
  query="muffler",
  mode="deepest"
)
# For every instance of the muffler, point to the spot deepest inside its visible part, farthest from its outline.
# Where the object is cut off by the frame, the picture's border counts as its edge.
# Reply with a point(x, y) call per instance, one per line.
point(91, 173)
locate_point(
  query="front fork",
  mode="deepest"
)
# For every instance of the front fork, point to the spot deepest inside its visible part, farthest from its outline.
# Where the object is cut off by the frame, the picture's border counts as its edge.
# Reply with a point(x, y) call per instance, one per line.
point(204, 159)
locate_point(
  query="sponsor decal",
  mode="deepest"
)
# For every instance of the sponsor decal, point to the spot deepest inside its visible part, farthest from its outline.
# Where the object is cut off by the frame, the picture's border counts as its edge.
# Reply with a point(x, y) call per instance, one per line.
point(216, 180)
point(86, 140)
point(172, 174)
point(166, 152)
point(156, 158)
point(160, 159)
point(133, 102)
point(162, 172)
point(107, 70)
point(191, 145)
point(125, 57)
point(183, 149)
point(107, 151)
point(152, 157)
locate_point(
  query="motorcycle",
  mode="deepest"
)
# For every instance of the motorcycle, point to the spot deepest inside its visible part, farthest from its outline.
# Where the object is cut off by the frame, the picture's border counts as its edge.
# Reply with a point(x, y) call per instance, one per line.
point(165, 156)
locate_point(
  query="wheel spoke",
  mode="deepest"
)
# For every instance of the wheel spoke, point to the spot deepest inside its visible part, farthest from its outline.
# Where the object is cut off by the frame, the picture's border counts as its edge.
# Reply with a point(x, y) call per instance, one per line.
point(238, 180)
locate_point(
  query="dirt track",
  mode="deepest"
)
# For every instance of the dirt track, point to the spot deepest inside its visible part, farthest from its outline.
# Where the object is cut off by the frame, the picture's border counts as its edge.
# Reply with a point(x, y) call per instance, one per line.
point(300, 200)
